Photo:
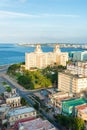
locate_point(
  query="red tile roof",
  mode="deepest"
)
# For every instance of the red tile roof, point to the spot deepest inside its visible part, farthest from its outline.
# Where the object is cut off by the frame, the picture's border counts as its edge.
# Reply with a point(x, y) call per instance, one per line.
point(81, 107)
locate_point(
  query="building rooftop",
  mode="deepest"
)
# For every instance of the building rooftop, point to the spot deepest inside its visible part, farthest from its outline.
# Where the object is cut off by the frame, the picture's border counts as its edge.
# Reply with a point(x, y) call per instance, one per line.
point(20, 110)
point(75, 102)
point(41, 97)
point(63, 98)
point(10, 95)
point(4, 108)
point(69, 73)
point(82, 108)
point(22, 121)
point(37, 124)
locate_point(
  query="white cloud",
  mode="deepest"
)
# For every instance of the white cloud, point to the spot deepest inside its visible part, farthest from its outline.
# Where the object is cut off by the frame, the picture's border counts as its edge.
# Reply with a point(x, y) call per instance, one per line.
point(14, 14)
point(8, 14)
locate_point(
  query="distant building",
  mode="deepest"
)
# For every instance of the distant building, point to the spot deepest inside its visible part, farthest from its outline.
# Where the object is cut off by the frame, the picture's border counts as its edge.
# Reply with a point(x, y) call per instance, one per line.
point(80, 56)
point(36, 124)
point(68, 106)
point(40, 59)
point(20, 113)
point(72, 83)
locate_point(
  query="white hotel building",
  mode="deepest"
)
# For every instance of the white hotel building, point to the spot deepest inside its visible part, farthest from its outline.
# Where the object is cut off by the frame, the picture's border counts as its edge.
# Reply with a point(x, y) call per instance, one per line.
point(40, 59)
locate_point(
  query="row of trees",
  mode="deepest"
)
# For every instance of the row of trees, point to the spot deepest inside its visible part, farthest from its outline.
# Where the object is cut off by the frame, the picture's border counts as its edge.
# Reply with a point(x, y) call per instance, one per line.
point(71, 123)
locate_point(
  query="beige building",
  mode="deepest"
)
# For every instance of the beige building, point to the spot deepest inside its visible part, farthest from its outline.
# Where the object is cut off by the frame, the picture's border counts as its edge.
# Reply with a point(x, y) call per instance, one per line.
point(13, 99)
point(71, 83)
point(40, 59)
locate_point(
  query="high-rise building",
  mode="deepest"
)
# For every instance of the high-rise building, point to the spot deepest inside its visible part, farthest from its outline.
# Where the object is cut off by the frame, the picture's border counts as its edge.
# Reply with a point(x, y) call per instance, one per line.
point(72, 83)
point(40, 59)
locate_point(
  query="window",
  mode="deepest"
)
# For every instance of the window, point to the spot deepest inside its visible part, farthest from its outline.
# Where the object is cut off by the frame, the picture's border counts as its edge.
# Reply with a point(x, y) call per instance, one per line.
point(25, 115)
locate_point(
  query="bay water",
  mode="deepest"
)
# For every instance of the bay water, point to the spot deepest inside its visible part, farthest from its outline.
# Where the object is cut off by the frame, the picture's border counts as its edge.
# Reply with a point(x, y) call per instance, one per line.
point(13, 53)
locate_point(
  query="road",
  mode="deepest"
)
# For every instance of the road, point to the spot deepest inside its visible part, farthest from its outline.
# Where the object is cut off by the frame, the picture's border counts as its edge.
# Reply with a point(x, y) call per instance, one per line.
point(25, 94)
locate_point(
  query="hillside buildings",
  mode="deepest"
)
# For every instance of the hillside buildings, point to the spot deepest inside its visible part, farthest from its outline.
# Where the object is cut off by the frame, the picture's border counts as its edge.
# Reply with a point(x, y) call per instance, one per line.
point(40, 59)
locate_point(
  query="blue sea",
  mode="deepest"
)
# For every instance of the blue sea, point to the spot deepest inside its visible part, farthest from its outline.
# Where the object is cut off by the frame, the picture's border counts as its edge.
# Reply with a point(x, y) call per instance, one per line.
point(12, 53)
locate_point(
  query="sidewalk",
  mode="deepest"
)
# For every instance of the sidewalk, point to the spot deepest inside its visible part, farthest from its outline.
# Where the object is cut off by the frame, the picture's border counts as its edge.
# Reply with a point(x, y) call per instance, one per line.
point(12, 81)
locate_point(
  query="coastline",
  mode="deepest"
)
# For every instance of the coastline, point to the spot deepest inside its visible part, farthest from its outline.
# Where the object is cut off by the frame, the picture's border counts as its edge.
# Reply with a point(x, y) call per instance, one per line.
point(4, 66)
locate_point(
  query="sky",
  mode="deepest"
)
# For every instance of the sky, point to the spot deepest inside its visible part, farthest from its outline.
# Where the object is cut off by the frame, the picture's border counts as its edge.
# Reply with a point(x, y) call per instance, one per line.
point(43, 21)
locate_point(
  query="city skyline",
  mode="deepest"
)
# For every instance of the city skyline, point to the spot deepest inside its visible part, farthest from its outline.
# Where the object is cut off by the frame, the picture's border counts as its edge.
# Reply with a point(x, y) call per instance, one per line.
point(38, 21)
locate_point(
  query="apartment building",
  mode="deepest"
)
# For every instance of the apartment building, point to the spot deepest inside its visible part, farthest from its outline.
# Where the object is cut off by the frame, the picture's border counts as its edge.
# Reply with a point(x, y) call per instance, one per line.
point(40, 59)
point(72, 83)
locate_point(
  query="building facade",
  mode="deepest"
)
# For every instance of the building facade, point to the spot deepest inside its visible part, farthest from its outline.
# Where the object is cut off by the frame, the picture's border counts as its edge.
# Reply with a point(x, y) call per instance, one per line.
point(68, 106)
point(13, 99)
point(71, 83)
point(40, 59)
point(20, 113)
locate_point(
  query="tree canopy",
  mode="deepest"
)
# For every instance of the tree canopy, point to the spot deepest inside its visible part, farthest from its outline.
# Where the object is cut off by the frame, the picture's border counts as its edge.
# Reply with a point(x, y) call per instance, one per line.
point(71, 122)
point(35, 79)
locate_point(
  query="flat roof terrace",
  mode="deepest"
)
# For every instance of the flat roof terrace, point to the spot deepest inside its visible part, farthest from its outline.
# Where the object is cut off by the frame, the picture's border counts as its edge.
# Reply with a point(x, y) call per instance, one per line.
point(20, 110)
point(75, 102)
